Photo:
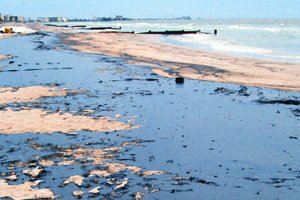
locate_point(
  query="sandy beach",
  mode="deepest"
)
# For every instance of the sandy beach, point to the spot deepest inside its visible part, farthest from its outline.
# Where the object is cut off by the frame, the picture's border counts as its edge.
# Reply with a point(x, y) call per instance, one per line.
point(190, 63)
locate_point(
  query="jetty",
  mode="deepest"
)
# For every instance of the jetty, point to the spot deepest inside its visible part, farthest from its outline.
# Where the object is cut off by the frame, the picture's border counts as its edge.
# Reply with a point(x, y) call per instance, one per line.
point(78, 26)
point(126, 32)
point(55, 25)
point(104, 28)
point(172, 32)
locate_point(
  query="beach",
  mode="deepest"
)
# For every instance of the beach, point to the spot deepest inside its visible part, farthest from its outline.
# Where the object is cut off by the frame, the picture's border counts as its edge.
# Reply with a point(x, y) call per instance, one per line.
point(177, 61)
point(100, 115)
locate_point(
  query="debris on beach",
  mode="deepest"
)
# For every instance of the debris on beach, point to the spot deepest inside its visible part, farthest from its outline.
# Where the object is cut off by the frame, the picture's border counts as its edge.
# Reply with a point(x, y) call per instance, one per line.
point(40, 121)
point(24, 191)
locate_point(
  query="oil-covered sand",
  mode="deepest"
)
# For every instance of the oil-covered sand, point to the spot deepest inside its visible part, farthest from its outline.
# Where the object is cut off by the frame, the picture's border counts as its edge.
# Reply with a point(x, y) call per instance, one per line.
point(197, 140)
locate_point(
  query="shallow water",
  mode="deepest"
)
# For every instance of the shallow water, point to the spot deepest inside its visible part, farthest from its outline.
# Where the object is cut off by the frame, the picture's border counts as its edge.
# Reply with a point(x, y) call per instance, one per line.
point(227, 144)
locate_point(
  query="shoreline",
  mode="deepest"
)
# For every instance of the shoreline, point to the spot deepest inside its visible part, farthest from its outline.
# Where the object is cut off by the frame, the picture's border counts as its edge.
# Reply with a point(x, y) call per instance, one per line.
point(170, 61)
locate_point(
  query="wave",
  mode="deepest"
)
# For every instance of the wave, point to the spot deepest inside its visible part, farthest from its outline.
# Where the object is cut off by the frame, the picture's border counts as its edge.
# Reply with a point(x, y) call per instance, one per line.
point(220, 45)
point(268, 29)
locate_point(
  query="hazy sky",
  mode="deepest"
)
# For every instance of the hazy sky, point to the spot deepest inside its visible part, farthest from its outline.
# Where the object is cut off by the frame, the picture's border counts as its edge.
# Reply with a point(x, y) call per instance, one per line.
point(154, 8)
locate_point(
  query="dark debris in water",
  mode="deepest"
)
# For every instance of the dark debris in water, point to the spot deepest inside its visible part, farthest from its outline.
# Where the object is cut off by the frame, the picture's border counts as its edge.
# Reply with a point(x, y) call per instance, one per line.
point(296, 112)
point(243, 91)
point(280, 101)
point(193, 180)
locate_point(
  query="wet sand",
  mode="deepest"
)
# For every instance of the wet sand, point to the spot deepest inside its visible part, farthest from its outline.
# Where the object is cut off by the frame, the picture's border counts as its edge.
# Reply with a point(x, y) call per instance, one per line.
point(173, 61)
point(39, 121)
point(31, 93)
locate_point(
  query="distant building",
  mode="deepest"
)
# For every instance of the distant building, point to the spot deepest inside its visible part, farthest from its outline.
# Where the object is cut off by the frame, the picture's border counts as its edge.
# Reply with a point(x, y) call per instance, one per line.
point(116, 18)
point(62, 19)
point(6, 18)
point(43, 19)
point(21, 19)
point(52, 19)
point(104, 19)
point(183, 18)
point(11, 19)
point(119, 17)
point(186, 18)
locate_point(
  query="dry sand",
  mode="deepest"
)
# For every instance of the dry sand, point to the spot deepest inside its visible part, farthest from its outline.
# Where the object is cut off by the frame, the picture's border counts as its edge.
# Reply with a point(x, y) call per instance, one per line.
point(28, 94)
point(189, 63)
point(39, 121)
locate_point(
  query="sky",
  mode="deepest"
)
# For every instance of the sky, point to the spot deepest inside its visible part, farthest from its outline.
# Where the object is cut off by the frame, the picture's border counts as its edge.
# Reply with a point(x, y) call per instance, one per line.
point(153, 8)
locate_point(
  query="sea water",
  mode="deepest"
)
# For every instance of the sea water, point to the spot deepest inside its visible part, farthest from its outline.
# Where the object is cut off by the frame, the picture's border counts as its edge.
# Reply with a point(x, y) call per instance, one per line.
point(271, 39)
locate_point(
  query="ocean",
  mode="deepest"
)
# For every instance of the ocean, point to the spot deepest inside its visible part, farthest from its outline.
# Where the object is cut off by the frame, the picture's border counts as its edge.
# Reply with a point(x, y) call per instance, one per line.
point(269, 39)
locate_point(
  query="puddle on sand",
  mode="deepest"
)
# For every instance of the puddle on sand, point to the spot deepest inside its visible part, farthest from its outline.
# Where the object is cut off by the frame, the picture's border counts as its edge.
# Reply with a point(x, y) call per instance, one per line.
point(206, 138)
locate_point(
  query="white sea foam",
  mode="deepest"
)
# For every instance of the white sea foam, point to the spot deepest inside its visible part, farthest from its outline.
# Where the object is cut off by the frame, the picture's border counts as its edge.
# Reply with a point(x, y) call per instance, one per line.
point(219, 45)
point(282, 28)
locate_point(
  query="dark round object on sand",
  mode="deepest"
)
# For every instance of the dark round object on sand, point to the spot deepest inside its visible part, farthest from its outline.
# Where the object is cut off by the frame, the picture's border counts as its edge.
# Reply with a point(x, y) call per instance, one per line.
point(179, 80)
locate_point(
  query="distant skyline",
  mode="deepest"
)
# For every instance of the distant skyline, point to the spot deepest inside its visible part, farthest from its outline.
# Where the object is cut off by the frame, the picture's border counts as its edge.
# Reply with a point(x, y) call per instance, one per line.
point(153, 8)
